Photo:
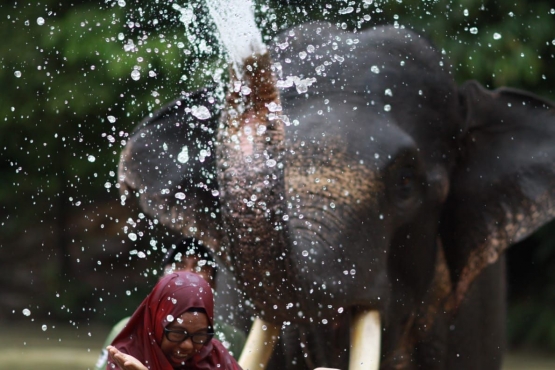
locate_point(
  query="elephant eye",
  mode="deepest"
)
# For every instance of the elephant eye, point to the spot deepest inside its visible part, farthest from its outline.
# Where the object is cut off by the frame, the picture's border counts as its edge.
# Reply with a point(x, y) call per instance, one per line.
point(405, 183)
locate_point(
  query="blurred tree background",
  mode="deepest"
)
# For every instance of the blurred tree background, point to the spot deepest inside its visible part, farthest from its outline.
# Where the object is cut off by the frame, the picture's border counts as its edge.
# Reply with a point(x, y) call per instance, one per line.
point(77, 77)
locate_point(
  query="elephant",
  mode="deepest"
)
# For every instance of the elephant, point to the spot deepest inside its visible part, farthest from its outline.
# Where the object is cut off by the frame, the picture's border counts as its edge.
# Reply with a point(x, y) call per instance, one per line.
point(356, 176)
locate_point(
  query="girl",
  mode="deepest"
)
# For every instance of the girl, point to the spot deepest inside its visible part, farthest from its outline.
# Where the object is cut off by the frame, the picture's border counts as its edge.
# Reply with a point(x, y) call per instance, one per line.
point(172, 330)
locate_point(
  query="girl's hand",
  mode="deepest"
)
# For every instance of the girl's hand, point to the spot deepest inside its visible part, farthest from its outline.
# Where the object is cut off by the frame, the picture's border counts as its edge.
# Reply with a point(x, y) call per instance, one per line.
point(124, 361)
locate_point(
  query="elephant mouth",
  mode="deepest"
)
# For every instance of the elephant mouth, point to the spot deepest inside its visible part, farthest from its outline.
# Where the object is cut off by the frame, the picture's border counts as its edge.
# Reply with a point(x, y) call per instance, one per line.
point(365, 342)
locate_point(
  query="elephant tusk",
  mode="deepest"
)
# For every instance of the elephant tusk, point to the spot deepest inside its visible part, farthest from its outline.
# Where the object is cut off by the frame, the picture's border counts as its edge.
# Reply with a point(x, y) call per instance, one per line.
point(259, 346)
point(365, 341)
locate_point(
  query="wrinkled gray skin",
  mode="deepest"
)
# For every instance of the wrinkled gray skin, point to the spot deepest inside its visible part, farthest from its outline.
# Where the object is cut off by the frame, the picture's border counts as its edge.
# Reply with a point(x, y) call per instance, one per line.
point(388, 165)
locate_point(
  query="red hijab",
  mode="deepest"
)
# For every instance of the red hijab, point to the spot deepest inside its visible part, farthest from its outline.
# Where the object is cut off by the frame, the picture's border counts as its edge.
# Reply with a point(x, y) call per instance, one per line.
point(171, 297)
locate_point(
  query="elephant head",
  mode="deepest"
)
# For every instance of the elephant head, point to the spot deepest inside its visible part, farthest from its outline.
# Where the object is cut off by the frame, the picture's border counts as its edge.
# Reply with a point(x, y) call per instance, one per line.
point(354, 176)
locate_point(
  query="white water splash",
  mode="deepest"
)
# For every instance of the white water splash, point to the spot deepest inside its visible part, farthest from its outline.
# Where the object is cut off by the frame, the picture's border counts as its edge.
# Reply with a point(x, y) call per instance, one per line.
point(201, 112)
point(237, 29)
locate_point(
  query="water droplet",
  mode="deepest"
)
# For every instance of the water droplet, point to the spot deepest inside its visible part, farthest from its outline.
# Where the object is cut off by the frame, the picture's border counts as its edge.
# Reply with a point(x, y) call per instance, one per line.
point(302, 54)
point(40, 21)
point(183, 156)
point(496, 36)
point(245, 90)
point(121, 3)
point(324, 321)
point(388, 92)
point(376, 155)
point(44, 327)
point(340, 310)
point(200, 112)
point(17, 74)
point(170, 318)
point(273, 107)
point(466, 13)
point(180, 195)
point(107, 185)
point(302, 85)
point(375, 69)
point(387, 107)
point(135, 75)
point(305, 253)
point(215, 193)
point(474, 30)
point(381, 217)
point(132, 236)
point(271, 162)
point(91, 158)
point(111, 119)
point(332, 205)
point(264, 327)
point(353, 271)
point(346, 10)
point(141, 255)
point(26, 312)
point(128, 292)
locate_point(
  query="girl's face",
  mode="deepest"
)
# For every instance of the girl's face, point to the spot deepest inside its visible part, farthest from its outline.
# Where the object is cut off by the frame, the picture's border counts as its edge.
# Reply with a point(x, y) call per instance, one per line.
point(177, 352)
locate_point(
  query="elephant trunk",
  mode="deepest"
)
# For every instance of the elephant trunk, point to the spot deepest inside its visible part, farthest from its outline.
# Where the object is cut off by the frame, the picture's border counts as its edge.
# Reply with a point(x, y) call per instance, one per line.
point(250, 155)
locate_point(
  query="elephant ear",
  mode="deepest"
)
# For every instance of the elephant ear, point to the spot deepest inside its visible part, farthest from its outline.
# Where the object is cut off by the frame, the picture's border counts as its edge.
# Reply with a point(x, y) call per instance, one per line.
point(168, 164)
point(503, 186)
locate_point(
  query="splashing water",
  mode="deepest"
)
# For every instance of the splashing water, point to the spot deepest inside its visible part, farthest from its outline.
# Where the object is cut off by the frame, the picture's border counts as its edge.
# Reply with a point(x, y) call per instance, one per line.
point(237, 29)
point(201, 112)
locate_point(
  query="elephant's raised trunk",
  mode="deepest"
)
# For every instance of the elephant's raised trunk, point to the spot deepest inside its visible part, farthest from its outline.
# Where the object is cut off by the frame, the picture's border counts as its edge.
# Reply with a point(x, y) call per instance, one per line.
point(251, 179)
